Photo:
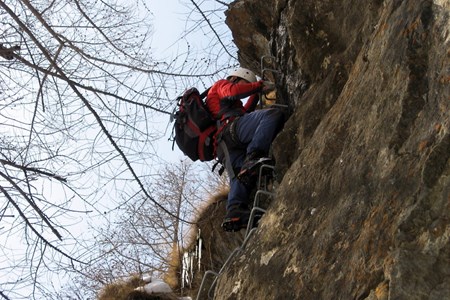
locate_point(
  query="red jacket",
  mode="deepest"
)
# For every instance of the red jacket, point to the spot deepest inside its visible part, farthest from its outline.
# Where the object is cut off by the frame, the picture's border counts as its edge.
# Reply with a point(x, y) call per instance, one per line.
point(224, 98)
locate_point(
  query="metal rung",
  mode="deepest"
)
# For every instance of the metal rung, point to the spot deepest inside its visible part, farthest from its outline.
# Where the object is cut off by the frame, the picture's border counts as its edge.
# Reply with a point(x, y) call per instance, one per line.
point(261, 192)
point(272, 69)
point(225, 265)
point(247, 238)
point(203, 282)
point(235, 251)
point(252, 217)
point(213, 285)
point(272, 61)
point(261, 173)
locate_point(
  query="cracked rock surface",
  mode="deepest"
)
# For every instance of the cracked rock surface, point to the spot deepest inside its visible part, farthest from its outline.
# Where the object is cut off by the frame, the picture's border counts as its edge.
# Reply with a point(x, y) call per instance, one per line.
point(362, 208)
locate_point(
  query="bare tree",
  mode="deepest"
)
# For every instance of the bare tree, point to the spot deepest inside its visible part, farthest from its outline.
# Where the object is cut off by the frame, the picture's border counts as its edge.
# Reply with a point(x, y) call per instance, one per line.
point(142, 240)
point(81, 99)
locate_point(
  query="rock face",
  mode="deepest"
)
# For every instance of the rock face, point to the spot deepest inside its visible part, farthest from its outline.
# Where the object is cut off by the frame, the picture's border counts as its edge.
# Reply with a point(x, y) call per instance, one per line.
point(363, 205)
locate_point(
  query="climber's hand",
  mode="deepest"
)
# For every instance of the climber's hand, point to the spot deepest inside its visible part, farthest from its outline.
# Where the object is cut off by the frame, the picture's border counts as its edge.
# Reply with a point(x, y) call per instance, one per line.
point(268, 87)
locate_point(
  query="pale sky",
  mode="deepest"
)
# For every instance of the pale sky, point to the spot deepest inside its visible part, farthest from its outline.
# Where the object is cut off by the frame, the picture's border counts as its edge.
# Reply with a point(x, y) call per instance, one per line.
point(169, 21)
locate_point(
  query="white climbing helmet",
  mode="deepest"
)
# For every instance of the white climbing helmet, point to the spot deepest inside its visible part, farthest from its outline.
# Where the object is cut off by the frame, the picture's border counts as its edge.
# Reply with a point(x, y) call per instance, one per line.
point(244, 74)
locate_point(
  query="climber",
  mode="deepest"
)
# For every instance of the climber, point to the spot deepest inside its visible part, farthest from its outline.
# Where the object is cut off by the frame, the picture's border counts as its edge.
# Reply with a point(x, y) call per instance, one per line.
point(247, 133)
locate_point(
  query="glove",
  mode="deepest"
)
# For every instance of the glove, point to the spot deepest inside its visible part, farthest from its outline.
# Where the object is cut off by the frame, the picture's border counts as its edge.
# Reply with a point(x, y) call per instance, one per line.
point(268, 87)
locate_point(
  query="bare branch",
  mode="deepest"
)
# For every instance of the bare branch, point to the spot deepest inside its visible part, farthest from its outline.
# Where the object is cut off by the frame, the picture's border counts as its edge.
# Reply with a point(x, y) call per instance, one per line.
point(212, 28)
point(8, 53)
point(31, 169)
point(25, 219)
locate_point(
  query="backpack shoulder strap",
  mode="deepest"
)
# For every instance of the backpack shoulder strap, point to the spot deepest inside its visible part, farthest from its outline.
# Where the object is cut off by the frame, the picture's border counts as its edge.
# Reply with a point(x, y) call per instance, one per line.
point(228, 165)
point(205, 93)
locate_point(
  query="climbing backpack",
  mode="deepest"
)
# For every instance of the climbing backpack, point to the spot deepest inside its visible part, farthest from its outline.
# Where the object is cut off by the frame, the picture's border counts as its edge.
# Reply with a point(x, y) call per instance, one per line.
point(194, 126)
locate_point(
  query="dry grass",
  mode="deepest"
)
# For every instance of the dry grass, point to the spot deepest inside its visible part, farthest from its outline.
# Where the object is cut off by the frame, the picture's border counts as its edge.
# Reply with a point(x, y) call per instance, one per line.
point(172, 276)
point(119, 290)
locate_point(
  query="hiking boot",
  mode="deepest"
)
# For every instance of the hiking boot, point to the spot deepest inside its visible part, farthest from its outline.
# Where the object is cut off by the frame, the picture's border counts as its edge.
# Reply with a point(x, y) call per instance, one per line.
point(250, 168)
point(236, 218)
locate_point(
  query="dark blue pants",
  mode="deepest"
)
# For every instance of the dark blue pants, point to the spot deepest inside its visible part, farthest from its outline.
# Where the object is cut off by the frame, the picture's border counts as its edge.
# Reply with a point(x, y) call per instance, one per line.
point(256, 131)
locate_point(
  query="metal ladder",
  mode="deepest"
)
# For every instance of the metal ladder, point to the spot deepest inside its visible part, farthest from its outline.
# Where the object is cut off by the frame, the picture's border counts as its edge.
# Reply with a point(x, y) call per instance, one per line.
point(269, 66)
point(262, 190)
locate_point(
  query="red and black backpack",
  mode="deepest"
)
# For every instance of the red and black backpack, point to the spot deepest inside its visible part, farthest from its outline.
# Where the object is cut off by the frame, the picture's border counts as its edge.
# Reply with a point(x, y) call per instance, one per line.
point(194, 127)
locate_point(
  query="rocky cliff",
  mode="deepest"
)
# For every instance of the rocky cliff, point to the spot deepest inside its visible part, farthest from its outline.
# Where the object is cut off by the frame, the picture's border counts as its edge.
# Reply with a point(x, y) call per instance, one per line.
point(363, 204)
